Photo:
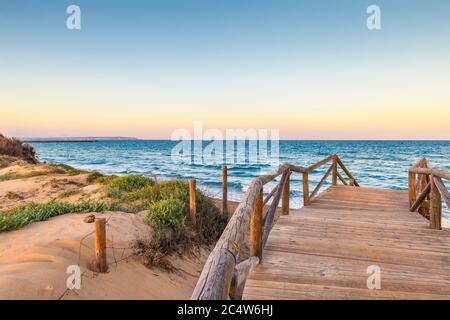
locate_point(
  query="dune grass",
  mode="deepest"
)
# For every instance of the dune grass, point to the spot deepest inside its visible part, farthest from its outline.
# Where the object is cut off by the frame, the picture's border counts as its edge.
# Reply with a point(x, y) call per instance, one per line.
point(173, 232)
point(23, 215)
point(13, 147)
point(131, 193)
point(166, 205)
point(64, 169)
point(40, 170)
point(167, 212)
point(69, 193)
point(95, 177)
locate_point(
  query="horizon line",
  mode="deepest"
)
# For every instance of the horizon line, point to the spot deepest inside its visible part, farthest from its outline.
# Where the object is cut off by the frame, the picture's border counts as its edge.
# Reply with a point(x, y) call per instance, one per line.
point(125, 138)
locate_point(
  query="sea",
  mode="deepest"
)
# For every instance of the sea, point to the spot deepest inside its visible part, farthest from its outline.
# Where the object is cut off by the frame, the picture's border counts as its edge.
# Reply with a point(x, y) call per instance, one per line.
point(378, 164)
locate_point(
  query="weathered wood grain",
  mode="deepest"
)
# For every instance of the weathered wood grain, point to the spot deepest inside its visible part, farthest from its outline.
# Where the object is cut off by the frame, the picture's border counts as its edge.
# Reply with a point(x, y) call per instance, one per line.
point(322, 251)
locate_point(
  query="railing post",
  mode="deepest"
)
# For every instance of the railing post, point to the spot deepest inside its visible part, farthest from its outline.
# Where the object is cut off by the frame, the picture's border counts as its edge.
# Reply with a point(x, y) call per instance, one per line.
point(192, 200)
point(224, 190)
point(421, 185)
point(412, 188)
point(305, 189)
point(256, 225)
point(100, 245)
point(352, 182)
point(435, 205)
point(334, 180)
point(285, 198)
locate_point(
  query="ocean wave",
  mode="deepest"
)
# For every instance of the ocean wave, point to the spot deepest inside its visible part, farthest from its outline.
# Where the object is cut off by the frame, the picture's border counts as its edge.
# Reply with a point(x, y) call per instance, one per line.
point(379, 164)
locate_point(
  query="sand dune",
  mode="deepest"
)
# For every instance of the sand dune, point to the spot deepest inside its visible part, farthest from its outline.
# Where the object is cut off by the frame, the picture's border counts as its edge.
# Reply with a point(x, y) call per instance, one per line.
point(37, 269)
point(38, 184)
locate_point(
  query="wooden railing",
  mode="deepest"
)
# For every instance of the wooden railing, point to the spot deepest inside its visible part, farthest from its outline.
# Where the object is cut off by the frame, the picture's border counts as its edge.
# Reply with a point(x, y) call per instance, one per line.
point(426, 191)
point(223, 276)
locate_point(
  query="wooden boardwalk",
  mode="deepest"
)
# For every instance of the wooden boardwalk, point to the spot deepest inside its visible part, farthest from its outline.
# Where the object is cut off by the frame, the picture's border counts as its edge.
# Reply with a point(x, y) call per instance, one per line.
point(322, 251)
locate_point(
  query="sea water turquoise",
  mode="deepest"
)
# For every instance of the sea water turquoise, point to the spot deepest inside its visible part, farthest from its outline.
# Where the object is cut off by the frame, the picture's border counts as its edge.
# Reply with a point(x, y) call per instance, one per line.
point(379, 164)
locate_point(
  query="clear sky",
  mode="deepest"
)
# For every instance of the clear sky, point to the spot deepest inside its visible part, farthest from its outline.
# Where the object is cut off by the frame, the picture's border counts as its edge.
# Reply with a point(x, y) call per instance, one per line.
point(145, 68)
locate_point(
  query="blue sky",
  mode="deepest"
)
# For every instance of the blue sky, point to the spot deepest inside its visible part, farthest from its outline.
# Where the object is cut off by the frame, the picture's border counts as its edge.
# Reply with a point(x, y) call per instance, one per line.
point(145, 68)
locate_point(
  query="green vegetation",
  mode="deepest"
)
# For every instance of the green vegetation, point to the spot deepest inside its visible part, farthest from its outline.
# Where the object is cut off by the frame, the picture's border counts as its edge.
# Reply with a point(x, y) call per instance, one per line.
point(166, 205)
point(40, 170)
point(63, 169)
point(173, 233)
point(7, 176)
point(95, 177)
point(131, 193)
point(23, 215)
point(13, 176)
point(131, 183)
point(69, 193)
point(6, 161)
point(167, 213)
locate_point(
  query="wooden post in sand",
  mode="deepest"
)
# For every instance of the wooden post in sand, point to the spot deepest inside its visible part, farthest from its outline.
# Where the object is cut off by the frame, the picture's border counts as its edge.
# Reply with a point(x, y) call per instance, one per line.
point(192, 200)
point(100, 245)
point(256, 225)
point(224, 190)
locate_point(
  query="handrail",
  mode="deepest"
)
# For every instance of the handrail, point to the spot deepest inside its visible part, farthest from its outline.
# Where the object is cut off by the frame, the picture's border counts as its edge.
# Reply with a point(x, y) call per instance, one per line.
point(222, 276)
point(426, 191)
point(337, 162)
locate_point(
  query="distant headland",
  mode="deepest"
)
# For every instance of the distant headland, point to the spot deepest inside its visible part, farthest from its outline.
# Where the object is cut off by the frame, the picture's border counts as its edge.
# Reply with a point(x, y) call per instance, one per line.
point(76, 139)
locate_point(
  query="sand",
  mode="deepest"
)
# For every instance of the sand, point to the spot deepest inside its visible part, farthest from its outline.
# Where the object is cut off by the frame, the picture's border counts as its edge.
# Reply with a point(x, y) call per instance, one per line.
point(33, 262)
point(41, 188)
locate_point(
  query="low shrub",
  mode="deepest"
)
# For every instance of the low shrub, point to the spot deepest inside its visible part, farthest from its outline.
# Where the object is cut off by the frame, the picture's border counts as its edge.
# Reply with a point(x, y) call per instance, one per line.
point(172, 230)
point(130, 183)
point(130, 193)
point(16, 148)
point(94, 177)
point(64, 169)
point(167, 213)
point(69, 193)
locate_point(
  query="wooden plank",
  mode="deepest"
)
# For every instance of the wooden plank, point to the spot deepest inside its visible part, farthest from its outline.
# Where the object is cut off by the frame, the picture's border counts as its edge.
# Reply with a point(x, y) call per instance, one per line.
point(285, 290)
point(322, 251)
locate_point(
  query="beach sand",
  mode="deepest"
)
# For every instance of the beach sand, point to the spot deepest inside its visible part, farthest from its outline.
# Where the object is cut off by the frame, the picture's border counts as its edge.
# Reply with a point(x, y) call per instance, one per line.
point(39, 184)
point(33, 262)
point(34, 259)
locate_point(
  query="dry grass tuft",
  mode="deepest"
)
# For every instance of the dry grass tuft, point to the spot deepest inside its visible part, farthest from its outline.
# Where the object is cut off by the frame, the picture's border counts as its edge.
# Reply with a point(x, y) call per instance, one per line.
point(12, 147)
